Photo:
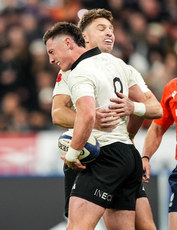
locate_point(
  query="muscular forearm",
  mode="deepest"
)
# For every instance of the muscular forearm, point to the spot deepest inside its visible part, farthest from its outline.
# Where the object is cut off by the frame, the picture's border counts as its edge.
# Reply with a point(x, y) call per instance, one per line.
point(64, 118)
point(153, 107)
point(153, 139)
point(84, 122)
point(82, 130)
point(83, 126)
point(152, 142)
point(153, 111)
point(62, 114)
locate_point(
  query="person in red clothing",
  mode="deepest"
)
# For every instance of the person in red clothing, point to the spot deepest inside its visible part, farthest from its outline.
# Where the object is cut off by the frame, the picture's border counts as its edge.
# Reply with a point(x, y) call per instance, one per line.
point(155, 133)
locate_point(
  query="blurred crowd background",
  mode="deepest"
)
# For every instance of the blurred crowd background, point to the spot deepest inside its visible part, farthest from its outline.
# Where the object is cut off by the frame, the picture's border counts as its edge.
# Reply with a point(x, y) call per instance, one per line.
point(145, 37)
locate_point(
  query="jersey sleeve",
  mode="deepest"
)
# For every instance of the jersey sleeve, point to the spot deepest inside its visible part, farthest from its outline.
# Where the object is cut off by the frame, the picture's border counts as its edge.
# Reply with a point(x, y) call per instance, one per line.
point(81, 84)
point(138, 79)
point(61, 86)
point(167, 118)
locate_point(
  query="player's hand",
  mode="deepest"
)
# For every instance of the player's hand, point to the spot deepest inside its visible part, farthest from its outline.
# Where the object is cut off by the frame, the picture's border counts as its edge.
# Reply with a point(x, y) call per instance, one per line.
point(146, 170)
point(123, 106)
point(106, 120)
point(76, 165)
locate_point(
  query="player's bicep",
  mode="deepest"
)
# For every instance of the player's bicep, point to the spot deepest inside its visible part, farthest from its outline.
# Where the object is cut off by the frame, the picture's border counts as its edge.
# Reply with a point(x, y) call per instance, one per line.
point(62, 112)
point(61, 101)
point(136, 94)
point(86, 105)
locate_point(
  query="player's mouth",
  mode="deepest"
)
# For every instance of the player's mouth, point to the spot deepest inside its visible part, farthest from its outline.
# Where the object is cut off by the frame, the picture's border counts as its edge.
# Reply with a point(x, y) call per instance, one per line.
point(58, 63)
point(108, 41)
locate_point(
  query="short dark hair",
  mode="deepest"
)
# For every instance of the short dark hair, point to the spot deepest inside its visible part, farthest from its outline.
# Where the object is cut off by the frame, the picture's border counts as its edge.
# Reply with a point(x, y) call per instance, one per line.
point(93, 14)
point(65, 28)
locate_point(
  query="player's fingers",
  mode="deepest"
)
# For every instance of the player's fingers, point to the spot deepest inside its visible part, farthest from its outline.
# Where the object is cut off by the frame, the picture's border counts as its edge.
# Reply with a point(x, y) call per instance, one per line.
point(76, 166)
point(116, 106)
point(118, 99)
point(145, 180)
point(63, 158)
point(121, 95)
point(122, 112)
point(121, 106)
point(106, 115)
point(110, 119)
point(79, 165)
point(104, 110)
point(148, 173)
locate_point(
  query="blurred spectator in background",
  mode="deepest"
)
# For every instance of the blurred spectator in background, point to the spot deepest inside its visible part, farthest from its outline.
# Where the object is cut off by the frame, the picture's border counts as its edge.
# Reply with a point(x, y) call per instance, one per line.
point(145, 37)
point(65, 10)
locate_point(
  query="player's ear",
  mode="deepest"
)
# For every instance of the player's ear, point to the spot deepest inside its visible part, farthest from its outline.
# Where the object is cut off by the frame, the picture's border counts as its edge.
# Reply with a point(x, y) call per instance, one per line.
point(85, 36)
point(69, 42)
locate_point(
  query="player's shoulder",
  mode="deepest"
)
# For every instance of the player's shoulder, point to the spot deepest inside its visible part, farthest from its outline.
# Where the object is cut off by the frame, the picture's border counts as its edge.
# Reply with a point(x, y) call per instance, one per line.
point(62, 76)
point(61, 86)
point(111, 56)
point(115, 60)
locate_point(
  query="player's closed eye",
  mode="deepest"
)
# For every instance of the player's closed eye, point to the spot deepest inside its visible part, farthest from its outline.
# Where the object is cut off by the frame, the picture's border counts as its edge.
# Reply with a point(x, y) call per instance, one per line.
point(101, 28)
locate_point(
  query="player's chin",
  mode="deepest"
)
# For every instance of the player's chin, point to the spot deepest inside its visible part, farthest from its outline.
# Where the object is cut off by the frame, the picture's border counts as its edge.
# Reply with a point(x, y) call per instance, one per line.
point(107, 48)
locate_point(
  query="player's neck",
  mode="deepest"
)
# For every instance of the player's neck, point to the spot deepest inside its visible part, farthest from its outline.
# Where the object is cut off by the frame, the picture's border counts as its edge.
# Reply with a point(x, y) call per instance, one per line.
point(77, 53)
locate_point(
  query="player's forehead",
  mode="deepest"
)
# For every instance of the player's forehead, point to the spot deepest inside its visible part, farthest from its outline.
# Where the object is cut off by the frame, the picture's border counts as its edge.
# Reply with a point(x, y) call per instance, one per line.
point(54, 43)
point(100, 22)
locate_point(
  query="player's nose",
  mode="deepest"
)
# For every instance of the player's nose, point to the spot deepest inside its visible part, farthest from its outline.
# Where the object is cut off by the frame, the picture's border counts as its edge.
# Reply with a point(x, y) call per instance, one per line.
point(109, 32)
point(52, 60)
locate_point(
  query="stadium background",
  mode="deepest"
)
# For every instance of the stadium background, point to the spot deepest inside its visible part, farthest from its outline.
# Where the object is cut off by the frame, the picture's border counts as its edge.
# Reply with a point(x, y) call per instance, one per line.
point(31, 179)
